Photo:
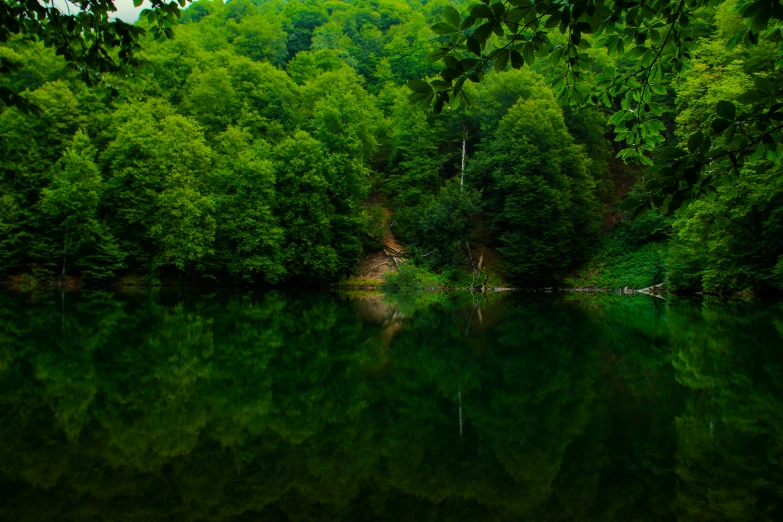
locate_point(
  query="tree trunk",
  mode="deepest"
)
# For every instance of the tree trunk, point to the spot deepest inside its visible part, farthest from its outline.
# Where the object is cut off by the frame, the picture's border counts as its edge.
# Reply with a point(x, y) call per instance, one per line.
point(65, 250)
point(462, 172)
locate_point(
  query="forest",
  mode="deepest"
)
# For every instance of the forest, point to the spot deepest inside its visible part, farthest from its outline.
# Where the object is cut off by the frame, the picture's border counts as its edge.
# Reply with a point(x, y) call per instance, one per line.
point(271, 142)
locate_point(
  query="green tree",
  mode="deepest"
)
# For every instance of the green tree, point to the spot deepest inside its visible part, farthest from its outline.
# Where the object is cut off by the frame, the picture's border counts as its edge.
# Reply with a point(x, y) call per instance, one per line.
point(248, 238)
point(304, 208)
point(415, 160)
point(12, 233)
point(211, 99)
point(301, 19)
point(447, 223)
point(658, 44)
point(535, 174)
point(72, 200)
point(261, 38)
point(157, 164)
point(732, 242)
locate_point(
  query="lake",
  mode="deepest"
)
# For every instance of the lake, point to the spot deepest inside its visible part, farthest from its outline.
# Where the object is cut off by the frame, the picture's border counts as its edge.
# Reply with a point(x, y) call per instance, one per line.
point(186, 406)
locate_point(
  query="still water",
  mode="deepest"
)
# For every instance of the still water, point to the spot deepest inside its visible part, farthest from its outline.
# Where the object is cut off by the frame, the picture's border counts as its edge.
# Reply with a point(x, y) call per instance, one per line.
point(325, 407)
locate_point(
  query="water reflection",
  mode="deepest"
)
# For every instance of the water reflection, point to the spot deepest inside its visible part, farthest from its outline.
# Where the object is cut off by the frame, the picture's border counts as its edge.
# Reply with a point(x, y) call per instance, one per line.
point(319, 407)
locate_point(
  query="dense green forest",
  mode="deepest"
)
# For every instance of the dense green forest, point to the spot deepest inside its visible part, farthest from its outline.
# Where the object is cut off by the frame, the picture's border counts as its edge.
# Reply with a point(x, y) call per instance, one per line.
point(273, 142)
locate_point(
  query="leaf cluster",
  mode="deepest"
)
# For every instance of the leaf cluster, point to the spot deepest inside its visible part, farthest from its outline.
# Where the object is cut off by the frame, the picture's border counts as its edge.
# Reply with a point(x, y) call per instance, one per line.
point(653, 42)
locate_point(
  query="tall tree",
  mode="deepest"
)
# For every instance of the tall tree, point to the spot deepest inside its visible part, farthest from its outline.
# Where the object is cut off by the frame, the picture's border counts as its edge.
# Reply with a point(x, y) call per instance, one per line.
point(72, 200)
point(157, 168)
point(534, 172)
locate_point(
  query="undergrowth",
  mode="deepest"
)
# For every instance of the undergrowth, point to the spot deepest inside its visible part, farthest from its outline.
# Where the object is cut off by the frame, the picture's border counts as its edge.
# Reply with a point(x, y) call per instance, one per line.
point(632, 255)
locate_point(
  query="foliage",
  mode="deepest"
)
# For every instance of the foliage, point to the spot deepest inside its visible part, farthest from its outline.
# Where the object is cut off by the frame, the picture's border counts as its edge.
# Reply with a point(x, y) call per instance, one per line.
point(534, 173)
point(656, 43)
point(72, 201)
point(85, 38)
point(273, 143)
point(447, 223)
point(734, 242)
point(410, 278)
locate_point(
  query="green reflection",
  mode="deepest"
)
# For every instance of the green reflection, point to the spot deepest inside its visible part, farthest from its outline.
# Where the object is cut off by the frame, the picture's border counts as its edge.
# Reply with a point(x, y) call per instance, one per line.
point(320, 407)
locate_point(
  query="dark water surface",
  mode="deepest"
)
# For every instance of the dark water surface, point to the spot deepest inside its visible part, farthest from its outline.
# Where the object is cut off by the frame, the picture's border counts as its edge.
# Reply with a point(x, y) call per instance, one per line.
point(189, 407)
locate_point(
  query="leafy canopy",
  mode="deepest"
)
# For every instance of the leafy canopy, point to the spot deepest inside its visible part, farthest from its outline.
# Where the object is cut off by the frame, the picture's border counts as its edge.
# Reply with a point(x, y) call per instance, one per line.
point(655, 40)
point(85, 35)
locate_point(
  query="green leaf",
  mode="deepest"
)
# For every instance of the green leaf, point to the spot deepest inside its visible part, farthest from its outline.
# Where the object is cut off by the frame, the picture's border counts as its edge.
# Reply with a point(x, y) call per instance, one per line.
point(440, 85)
point(759, 22)
point(481, 11)
point(636, 52)
point(616, 118)
point(648, 58)
point(552, 21)
point(452, 63)
point(751, 97)
point(528, 52)
point(515, 15)
point(765, 86)
point(677, 200)
point(734, 40)
point(658, 89)
point(473, 46)
point(602, 77)
point(451, 15)
point(469, 63)
point(706, 145)
point(137, 3)
point(694, 142)
point(438, 107)
point(501, 59)
point(719, 125)
point(628, 203)
point(626, 101)
point(483, 31)
point(517, 61)
point(726, 110)
point(416, 97)
point(467, 22)
point(443, 28)
point(450, 74)
point(433, 57)
point(419, 86)
point(671, 153)
point(555, 56)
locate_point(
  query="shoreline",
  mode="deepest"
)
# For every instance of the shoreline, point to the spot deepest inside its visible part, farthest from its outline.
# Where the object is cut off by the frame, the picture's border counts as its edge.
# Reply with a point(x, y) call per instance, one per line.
point(29, 284)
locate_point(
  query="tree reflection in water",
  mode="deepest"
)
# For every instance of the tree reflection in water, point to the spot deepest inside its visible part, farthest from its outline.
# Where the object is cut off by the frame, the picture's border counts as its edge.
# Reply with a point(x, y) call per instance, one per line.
point(321, 407)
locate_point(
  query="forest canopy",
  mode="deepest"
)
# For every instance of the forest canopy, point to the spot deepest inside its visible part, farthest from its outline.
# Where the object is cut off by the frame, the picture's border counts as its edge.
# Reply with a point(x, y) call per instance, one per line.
point(274, 142)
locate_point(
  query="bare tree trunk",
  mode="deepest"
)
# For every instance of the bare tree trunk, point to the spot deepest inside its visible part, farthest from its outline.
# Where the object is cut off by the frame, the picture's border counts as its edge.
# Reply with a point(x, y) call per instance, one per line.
point(462, 172)
point(459, 394)
point(65, 250)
